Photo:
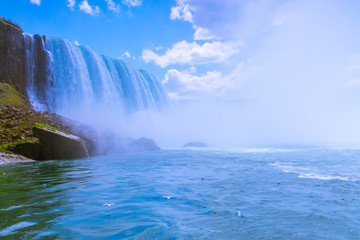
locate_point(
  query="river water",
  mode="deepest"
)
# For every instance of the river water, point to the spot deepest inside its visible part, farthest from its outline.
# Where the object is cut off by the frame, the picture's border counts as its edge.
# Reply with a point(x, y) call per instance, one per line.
point(270, 193)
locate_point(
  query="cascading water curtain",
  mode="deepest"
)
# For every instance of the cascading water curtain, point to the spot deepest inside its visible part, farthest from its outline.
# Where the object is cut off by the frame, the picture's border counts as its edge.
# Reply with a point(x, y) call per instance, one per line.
point(63, 77)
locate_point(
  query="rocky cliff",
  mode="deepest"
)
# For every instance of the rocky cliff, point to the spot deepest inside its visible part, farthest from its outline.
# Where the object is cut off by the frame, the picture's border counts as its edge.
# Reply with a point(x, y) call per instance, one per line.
point(18, 133)
point(66, 138)
point(12, 56)
point(17, 117)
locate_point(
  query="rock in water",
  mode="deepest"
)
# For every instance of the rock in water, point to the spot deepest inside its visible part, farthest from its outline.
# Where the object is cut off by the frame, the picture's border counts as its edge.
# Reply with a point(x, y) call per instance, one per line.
point(28, 147)
point(143, 144)
point(6, 158)
point(196, 144)
point(59, 145)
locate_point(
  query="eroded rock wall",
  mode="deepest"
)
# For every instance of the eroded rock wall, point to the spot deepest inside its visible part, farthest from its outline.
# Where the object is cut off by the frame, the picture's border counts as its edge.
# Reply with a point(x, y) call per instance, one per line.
point(12, 56)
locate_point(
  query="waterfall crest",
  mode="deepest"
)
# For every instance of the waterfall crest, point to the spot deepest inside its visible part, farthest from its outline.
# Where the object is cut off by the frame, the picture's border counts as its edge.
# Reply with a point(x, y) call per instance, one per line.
point(65, 78)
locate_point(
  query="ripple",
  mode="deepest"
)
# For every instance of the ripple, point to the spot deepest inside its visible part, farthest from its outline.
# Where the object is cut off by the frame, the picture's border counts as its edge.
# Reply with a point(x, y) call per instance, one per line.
point(195, 195)
point(12, 208)
point(11, 229)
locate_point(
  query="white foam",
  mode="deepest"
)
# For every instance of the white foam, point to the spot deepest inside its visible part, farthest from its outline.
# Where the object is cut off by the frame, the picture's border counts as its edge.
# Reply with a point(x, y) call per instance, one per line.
point(239, 213)
point(313, 173)
point(238, 150)
point(323, 177)
point(108, 204)
point(265, 150)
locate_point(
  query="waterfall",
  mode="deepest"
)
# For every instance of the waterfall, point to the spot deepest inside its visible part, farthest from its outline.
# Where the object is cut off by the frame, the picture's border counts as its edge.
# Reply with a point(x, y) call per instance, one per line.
point(68, 79)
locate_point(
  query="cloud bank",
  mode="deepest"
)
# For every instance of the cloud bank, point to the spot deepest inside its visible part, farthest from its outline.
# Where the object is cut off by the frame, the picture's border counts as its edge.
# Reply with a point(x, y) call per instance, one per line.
point(193, 53)
point(299, 83)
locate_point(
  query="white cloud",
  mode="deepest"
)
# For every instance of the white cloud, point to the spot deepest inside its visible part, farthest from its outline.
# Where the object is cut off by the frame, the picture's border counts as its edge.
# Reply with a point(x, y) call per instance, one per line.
point(37, 2)
point(127, 54)
point(202, 34)
point(92, 10)
point(183, 11)
point(193, 53)
point(132, 3)
point(71, 4)
point(76, 43)
point(215, 19)
point(182, 85)
point(159, 48)
point(185, 85)
point(112, 6)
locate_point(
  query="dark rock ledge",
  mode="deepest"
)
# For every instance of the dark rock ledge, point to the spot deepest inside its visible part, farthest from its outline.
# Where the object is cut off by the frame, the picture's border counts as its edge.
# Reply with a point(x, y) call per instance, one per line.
point(56, 144)
point(36, 135)
point(6, 158)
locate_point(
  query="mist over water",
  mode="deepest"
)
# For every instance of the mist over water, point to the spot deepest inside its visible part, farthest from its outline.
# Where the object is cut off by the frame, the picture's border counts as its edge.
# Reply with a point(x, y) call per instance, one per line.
point(77, 83)
point(304, 85)
point(299, 84)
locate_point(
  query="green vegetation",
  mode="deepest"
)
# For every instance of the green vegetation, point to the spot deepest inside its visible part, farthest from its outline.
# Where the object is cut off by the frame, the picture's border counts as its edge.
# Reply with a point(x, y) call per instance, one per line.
point(8, 147)
point(11, 25)
point(10, 97)
point(17, 120)
point(46, 127)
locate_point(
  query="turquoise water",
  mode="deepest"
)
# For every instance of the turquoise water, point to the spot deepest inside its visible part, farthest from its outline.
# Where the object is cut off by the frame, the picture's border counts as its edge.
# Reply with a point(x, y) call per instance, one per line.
point(293, 193)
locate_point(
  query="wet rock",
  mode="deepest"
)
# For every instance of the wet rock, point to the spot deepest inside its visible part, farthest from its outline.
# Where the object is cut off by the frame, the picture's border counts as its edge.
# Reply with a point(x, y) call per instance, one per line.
point(85, 132)
point(6, 158)
point(56, 144)
point(28, 147)
point(90, 143)
point(143, 144)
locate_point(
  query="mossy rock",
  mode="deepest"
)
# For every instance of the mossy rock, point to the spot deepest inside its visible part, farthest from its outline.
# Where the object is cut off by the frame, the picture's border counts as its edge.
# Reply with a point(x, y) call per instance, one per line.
point(47, 127)
point(10, 97)
point(56, 144)
point(28, 147)
point(10, 25)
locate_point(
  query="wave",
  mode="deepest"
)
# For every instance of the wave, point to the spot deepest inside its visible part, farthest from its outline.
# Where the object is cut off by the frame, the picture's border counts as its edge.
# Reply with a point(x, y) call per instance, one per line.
point(313, 173)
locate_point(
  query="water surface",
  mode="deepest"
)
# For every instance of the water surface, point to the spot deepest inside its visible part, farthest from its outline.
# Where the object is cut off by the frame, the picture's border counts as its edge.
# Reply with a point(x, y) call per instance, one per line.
point(292, 193)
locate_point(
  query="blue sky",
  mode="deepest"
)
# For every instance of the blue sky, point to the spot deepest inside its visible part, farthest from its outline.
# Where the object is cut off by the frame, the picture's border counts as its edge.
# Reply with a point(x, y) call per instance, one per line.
point(109, 32)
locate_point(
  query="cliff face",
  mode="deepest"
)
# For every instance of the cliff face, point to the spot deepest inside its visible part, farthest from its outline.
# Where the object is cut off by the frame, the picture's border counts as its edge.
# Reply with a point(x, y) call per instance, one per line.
point(16, 114)
point(12, 56)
